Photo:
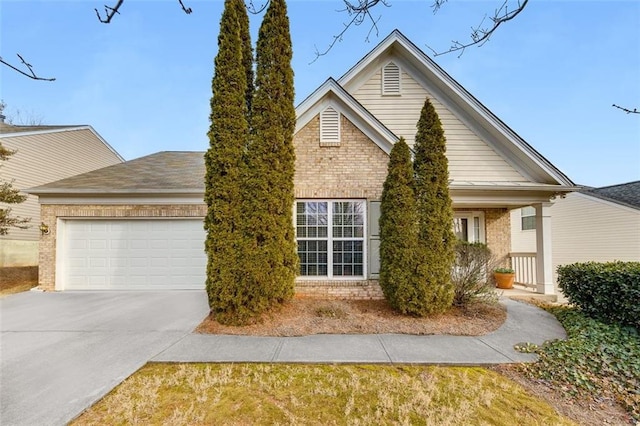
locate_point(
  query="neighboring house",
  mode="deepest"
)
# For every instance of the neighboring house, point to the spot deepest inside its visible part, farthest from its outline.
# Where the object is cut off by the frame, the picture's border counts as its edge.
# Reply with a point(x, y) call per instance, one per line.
point(44, 154)
point(138, 225)
point(593, 224)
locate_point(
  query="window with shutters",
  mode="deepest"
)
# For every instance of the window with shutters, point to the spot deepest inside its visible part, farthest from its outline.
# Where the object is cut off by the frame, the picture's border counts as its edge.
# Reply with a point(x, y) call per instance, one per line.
point(331, 238)
point(329, 127)
point(391, 79)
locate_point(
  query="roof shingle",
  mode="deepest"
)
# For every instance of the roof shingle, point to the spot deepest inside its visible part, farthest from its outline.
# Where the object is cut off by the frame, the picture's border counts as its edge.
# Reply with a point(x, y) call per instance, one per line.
point(625, 193)
point(162, 172)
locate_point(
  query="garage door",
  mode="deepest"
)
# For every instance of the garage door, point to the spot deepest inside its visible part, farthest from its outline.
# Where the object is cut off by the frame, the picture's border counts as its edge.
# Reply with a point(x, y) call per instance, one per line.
point(131, 255)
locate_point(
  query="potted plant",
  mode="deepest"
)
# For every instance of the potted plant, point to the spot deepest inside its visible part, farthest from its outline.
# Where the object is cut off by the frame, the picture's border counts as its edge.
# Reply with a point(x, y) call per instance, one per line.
point(504, 277)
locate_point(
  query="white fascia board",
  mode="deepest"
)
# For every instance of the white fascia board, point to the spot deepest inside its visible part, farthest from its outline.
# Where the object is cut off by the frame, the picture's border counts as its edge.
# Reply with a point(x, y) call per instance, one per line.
point(330, 93)
point(513, 146)
point(497, 200)
point(39, 132)
point(97, 135)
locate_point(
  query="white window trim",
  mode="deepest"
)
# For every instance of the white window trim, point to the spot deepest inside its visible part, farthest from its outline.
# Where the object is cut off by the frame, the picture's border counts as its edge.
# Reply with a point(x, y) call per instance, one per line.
point(385, 91)
point(324, 139)
point(523, 215)
point(470, 219)
point(330, 239)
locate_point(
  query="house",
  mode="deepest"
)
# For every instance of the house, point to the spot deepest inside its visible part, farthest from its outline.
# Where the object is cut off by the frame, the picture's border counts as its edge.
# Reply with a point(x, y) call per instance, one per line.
point(44, 154)
point(138, 225)
point(592, 224)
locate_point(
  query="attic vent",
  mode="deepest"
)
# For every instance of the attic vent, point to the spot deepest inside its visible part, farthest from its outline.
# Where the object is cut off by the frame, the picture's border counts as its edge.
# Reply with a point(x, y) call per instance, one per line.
point(391, 79)
point(329, 127)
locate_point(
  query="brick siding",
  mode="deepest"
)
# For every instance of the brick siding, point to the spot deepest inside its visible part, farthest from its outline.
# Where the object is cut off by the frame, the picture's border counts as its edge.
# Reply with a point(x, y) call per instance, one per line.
point(356, 168)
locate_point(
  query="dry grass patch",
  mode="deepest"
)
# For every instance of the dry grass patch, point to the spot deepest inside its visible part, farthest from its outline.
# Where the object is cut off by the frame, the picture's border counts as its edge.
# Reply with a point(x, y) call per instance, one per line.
point(17, 279)
point(242, 394)
point(312, 316)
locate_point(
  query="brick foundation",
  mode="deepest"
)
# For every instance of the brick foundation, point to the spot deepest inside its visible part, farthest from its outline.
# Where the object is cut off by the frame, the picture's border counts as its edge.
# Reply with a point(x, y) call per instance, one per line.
point(354, 290)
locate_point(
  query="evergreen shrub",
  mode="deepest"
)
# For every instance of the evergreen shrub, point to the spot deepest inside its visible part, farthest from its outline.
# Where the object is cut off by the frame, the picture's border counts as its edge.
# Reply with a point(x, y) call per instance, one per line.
point(606, 291)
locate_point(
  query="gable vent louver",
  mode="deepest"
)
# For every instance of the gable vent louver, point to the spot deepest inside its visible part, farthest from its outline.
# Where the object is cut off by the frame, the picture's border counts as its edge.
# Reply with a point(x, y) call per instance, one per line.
point(391, 79)
point(329, 127)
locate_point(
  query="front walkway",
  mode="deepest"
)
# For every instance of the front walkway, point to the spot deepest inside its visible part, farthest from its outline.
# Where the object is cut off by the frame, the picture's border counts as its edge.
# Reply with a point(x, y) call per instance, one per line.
point(524, 324)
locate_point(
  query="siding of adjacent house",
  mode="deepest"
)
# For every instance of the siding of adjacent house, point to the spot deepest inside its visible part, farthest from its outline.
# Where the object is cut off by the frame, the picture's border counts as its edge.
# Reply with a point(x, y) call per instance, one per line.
point(521, 241)
point(586, 228)
point(470, 158)
point(42, 158)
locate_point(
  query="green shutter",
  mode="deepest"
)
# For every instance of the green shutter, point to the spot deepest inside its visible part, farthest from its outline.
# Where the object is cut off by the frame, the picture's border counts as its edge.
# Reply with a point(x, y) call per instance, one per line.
point(374, 239)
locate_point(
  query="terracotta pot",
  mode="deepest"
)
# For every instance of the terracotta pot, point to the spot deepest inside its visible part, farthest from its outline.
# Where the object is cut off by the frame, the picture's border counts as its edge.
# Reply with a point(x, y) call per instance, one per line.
point(504, 281)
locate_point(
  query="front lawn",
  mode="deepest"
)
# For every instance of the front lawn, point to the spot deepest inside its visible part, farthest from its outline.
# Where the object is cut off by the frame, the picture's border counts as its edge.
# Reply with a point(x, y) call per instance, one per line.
point(318, 394)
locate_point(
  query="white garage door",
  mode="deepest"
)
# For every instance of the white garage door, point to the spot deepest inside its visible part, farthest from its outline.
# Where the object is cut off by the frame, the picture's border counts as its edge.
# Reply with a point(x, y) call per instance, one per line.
point(131, 255)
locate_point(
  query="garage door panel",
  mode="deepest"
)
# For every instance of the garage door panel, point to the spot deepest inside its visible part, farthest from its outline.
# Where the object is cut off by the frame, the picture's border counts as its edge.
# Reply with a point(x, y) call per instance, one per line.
point(133, 254)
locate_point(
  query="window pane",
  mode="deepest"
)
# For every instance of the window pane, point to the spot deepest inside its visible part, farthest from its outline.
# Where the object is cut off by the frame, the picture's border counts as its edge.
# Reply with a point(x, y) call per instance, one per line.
point(460, 228)
point(476, 229)
point(313, 258)
point(528, 223)
point(337, 232)
point(348, 258)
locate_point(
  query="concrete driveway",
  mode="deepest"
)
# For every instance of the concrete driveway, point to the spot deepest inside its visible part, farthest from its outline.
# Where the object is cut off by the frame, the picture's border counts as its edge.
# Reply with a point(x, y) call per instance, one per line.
point(61, 352)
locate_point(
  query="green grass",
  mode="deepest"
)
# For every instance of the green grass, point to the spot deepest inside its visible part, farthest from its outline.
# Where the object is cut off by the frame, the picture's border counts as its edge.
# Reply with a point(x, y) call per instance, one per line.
point(318, 395)
point(596, 361)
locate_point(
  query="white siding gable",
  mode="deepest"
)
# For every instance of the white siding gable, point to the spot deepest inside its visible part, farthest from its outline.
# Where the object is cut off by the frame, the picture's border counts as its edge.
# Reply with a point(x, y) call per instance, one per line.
point(470, 158)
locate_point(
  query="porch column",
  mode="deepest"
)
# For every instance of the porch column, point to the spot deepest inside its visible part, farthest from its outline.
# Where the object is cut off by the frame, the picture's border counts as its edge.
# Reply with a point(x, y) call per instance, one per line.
point(544, 263)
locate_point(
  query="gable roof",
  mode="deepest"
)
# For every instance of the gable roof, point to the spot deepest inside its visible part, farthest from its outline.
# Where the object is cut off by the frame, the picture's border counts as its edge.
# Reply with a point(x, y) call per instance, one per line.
point(460, 102)
point(162, 172)
point(627, 194)
point(332, 93)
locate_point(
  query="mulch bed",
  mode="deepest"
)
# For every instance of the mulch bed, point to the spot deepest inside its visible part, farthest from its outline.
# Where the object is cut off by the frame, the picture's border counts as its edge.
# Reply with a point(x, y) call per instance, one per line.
point(302, 316)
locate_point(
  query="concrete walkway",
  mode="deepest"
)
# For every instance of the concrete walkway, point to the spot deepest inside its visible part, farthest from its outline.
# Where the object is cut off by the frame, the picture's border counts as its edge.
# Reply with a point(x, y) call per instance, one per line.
point(62, 352)
point(525, 323)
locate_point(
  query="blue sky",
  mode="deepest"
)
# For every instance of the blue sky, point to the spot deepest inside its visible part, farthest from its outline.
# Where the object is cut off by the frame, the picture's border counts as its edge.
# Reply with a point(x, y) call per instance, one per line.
point(144, 81)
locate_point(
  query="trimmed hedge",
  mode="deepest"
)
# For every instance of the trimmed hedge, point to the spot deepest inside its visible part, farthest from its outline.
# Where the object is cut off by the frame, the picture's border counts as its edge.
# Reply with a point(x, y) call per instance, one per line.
point(606, 291)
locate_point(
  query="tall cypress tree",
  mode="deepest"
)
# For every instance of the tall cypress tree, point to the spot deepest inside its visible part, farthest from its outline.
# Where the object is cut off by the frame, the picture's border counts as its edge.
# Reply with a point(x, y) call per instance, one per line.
point(400, 280)
point(436, 237)
point(225, 169)
point(247, 50)
point(271, 162)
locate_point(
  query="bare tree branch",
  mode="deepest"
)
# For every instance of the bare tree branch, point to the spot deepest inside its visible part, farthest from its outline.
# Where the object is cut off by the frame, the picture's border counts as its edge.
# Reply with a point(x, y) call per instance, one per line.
point(251, 7)
point(359, 12)
point(627, 110)
point(110, 12)
point(187, 10)
point(30, 73)
point(437, 4)
point(481, 34)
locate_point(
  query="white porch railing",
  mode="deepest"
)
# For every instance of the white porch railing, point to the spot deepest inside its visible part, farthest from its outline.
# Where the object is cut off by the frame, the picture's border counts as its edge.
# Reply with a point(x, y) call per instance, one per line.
point(524, 264)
